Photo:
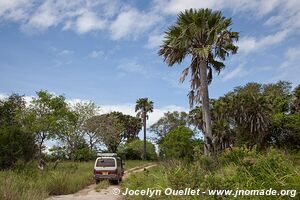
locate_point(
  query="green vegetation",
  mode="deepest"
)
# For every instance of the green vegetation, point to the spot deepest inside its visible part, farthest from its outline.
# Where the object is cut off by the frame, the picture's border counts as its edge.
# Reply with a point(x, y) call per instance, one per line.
point(251, 135)
point(134, 150)
point(102, 185)
point(261, 115)
point(178, 143)
point(28, 182)
point(206, 37)
point(129, 164)
point(143, 107)
point(237, 168)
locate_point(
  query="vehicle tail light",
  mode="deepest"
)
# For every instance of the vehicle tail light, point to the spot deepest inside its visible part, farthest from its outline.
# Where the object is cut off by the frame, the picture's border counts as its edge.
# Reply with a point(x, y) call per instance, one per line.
point(97, 172)
point(105, 172)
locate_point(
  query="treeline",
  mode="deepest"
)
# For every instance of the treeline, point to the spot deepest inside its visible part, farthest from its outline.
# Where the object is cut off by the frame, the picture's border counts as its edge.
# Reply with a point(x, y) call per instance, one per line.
point(254, 115)
point(78, 129)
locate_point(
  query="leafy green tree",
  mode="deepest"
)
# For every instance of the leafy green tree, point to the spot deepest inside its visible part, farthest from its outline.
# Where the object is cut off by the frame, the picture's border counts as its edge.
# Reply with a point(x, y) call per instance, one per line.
point(12, 110)
point(132, 125)
point(296, 100)
point(84, 153)
point(206, 37)
point(143, 107)
point(109, 128)
point(133, 150)
point(46, 117)
point(15, 143)
point(178, 143)
point(73, 132)
point(278, 95)
point(285, 132)
point(85, 111)
point(128, 127)
point(58, 153)
point(169, 121)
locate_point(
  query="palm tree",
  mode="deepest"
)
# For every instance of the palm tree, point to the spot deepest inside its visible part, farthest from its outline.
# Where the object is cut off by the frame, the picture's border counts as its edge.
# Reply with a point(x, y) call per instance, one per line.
point(143, 106)
point(206, 37)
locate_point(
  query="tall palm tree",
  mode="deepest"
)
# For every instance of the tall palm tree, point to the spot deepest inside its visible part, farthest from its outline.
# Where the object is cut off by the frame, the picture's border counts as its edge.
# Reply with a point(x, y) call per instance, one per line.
point(206, 37)
point(144, 106)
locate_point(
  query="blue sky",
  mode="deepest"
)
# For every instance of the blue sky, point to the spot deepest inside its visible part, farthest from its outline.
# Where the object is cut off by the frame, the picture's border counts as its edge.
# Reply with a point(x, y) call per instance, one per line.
point(106, 50)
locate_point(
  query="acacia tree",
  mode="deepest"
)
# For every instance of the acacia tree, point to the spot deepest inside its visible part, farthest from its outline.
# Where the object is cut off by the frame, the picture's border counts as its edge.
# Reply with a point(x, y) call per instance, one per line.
point(109, 129)
point(143, 107)
point(73, 131)
point(206, 37)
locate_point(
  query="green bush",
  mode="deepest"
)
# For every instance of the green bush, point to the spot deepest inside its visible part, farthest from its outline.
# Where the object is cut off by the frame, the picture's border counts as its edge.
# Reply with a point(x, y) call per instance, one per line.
point(134, 150)
point(84, 153)
point(15, 145)
point(178, 144)
point(236, 168)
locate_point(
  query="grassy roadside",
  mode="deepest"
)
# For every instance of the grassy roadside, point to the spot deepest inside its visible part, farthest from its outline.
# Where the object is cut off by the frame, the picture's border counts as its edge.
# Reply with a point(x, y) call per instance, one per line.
point(154, 178)
point(129, 164)
point(239, 168)
point(28, 182)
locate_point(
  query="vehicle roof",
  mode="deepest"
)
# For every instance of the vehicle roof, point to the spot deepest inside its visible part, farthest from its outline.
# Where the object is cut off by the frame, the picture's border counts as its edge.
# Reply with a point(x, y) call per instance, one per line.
point(103, 157)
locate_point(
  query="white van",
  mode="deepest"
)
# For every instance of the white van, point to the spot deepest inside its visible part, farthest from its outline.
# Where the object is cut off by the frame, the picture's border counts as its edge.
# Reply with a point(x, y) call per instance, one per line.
point(108, 166)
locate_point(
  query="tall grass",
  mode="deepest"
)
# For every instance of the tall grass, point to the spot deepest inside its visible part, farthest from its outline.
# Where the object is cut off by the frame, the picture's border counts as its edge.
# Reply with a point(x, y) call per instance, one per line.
point(237, 168)
point(28, 182)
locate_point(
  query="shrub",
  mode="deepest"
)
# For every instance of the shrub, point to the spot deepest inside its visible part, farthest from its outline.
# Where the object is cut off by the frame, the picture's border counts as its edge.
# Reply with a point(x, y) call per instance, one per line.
point(237, 168)
point(178, 143)
point(134, 150)
point(15, 145)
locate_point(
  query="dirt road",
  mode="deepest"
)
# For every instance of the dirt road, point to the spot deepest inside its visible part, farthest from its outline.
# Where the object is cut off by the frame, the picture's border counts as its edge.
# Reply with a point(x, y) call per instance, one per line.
point(90, 193)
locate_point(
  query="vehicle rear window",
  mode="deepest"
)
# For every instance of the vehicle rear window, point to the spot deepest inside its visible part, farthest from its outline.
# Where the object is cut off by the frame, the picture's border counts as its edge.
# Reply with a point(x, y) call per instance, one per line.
point(105, 162)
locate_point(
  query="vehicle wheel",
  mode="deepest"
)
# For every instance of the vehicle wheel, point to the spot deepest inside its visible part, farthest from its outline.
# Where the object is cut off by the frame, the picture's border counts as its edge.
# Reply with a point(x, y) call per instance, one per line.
point(120, 180)
point(116, 182)
point(97, 181)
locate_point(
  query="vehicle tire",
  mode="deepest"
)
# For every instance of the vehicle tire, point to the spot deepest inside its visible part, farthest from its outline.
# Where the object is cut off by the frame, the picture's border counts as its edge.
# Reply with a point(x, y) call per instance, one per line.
point(116, 182)
point(97, 181)
point(120, 180)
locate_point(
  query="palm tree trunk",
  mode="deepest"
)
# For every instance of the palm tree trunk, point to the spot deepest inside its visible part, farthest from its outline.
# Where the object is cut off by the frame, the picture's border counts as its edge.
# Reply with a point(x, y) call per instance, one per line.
point(145, 149)
point(208, 150)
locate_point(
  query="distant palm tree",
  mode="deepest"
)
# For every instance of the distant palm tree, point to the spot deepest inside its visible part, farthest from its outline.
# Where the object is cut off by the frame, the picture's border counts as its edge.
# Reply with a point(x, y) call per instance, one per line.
point(206, 37)
point(143, 106)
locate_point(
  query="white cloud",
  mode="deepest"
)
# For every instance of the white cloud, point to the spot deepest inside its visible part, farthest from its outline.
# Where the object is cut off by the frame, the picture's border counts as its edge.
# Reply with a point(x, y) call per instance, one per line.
point(3, 96)
point(89, 21)
point(289, 69)
point(293, 53)
point(129, 109)
point(154, 41)
point(132, 23)
point(14, 9)
point(132, 67)
point(44, 17)
point(121, 20)
point(252, 44)
point(237, 72)
point(126, 108)
point(81, 16)
point(27, 99)
point(96, 54)
point(65, 52)
point(260, 7)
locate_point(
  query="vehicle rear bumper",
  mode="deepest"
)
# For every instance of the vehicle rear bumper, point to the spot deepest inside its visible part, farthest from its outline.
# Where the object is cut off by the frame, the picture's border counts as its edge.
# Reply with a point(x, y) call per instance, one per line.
point(106, 177)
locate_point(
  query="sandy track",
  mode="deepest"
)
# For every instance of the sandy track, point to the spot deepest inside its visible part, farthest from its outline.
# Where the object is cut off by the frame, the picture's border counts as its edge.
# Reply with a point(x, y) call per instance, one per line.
point(89, 193)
